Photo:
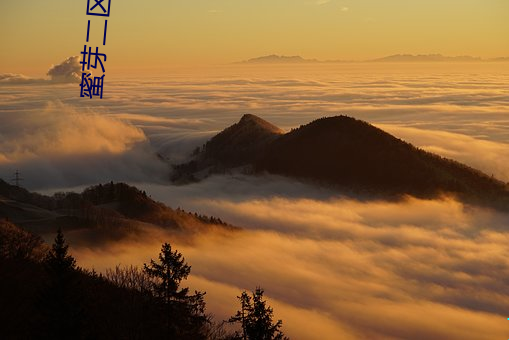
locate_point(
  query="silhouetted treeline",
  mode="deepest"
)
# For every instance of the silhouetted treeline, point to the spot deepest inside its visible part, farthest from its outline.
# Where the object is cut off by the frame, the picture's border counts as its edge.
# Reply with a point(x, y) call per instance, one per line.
point(45, 295)
point(115, 207)
point(203, 218)
point(52, 298)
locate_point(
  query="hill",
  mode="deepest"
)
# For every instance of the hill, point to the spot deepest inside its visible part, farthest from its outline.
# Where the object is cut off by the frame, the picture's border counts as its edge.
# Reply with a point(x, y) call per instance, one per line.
point(233, 147)
point(115, 208)
point(354, 157)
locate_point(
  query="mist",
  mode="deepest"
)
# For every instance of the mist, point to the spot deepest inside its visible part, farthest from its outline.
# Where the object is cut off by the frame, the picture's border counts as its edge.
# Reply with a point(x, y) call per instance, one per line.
point(425, 269)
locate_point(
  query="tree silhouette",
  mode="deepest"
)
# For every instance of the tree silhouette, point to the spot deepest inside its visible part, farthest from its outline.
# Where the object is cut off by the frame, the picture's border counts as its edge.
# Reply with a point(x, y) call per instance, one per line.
point(255, 318)
point(58, 259)
point(185, 316)
point(61, 300)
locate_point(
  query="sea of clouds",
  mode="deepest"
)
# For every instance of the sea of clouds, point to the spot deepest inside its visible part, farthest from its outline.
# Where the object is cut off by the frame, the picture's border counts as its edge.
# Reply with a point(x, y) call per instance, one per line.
point(331, 266)
point(458, 111)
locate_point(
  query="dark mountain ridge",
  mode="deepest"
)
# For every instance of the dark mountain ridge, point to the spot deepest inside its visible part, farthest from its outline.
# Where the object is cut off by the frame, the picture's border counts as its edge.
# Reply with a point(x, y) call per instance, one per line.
point(117, 208)
point(234, 147)
point(352, 156)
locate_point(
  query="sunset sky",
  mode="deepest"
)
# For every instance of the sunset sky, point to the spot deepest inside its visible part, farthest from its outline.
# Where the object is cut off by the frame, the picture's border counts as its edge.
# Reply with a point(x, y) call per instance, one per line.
point(166, 34)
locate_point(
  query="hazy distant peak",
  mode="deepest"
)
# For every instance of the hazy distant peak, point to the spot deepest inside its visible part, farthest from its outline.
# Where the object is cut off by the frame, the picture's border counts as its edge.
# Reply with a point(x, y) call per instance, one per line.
point(426, 58)
point(277, 59)
point(422, 58)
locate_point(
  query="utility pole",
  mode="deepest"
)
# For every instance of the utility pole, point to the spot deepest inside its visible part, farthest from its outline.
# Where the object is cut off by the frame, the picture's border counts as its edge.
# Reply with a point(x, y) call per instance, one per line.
point(17, 178)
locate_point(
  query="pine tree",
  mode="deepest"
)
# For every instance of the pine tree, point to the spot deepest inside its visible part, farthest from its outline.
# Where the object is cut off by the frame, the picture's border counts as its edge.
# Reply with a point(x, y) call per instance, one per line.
point(184, 313)
point(255, 317)
point(58, 260)
point(61, 298)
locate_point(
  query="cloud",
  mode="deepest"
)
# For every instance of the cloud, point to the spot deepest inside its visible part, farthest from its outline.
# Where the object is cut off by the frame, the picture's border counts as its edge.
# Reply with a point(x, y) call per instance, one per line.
point(488, 156)
point(17, 78)
point(345, 9)
point(423, 269)
point(61, 130)
point(68, 71)
point(71, 147)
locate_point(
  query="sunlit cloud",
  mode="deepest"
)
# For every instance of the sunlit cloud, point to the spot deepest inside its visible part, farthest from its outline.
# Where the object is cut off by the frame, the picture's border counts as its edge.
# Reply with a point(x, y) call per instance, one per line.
point(359, 269)
point(68, 70)
point(59, 129)
point(488, 156)
point(66, 146)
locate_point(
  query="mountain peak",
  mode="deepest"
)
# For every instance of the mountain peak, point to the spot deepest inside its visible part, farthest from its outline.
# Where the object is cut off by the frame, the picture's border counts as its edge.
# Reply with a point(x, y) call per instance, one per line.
point(249, 117)
point(279, 59)
point(251, 121)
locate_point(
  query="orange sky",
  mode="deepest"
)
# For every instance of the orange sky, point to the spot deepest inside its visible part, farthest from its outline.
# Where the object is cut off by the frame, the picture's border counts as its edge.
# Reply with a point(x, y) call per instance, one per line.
point(166, 34)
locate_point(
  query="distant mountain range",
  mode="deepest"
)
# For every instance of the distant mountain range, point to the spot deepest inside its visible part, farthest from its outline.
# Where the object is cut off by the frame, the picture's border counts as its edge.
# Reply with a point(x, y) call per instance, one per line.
point(343, 153)
point(276, 59)
point(426, 58)
point(397, 58)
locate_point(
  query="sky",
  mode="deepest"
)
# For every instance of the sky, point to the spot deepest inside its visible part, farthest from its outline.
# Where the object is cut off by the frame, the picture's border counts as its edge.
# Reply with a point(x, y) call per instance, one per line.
point(160, 34)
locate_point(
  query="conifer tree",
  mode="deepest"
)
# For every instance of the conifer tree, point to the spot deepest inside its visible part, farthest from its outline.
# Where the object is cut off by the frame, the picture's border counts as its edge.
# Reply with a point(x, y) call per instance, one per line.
point(185, 316)
point(61, 299)
point(58, 260)
point(255, 318)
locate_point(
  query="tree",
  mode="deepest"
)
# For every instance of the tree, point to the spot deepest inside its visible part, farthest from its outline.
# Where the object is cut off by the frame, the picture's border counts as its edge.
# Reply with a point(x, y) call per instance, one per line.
point(58, 260)
point(185, 314)
point(61, 298)
point(255, 318)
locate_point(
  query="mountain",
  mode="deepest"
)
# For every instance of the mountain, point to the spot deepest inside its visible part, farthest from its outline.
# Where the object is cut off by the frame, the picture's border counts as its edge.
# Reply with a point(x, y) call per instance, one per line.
point(501, 59)
point(396, 58)
point(348, 154)
point(115, 208)
point(276, 59)
point(426, 58)
point(231, 148)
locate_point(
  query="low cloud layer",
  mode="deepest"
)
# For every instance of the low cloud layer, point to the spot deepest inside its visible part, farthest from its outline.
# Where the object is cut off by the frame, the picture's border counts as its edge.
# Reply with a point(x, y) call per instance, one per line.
point(459, 111)
point(420, 269)
point(68, 71)
point(485, 155)
point(65, 146)
point(6, 78)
